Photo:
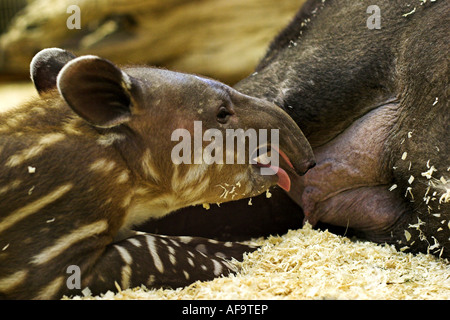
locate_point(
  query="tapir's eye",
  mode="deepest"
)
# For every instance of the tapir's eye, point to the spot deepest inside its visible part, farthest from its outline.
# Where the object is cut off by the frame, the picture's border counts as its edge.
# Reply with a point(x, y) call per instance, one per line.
point(223, 114)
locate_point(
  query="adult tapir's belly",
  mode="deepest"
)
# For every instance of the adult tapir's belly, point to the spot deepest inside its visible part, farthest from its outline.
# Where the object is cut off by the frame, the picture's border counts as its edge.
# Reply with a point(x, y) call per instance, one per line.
point(350, 185)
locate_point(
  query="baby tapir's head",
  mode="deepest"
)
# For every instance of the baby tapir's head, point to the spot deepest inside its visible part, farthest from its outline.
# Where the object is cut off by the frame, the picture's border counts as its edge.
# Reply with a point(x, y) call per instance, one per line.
point(186, 139)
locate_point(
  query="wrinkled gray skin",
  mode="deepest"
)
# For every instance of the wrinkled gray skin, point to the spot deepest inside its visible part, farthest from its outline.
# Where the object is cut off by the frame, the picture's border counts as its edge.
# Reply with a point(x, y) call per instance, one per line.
point(373, 103)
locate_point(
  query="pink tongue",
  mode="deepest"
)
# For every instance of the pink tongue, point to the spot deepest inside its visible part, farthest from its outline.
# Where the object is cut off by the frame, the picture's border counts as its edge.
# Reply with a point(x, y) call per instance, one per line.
point(284, 181)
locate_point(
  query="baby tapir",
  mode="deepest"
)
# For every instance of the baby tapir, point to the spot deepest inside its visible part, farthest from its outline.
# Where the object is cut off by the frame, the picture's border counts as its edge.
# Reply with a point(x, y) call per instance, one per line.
point(91, 158)
point(368, 84)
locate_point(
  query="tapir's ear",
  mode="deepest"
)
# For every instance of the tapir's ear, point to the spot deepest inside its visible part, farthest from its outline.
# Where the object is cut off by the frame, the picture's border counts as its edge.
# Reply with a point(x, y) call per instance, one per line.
point(96, 90)
point(45, 66)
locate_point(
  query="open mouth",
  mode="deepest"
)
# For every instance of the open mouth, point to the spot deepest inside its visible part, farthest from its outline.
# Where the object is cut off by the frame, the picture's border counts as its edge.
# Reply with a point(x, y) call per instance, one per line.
point(283, 167)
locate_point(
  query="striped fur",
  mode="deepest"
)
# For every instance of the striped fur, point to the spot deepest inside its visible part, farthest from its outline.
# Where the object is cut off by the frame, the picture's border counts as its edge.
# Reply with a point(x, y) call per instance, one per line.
point(77, 173)
point(55, 215)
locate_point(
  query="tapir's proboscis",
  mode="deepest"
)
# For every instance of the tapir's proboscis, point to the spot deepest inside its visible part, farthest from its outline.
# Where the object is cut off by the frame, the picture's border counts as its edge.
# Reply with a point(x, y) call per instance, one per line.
point(368, 84)
point(93, 156)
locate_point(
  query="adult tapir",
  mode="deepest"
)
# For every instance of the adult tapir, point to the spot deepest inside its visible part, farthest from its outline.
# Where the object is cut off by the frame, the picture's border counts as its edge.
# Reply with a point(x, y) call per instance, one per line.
point(367, 83)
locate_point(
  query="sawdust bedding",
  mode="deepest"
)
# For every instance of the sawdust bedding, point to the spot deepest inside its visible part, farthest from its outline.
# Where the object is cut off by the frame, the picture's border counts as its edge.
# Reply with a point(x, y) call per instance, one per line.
point(314, 264)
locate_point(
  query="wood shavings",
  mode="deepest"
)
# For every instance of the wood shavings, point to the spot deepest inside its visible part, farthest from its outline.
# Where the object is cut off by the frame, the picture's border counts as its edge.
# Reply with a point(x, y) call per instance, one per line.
point(228, 190)
point(409, 13)
point(435, 245)
point(206, 206)
point(417, 225)
point(429, 173)
point(445, 197)
point(407, 235)
point(86, 292)
point(409, 190)
point(312, 264)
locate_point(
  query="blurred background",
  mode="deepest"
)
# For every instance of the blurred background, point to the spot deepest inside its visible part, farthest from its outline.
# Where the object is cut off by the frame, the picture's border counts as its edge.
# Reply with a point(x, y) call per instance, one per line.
point(222, 39)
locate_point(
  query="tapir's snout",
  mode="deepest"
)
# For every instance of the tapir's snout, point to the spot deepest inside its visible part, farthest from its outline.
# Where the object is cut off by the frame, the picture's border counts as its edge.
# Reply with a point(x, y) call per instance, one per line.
point(295, 155)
